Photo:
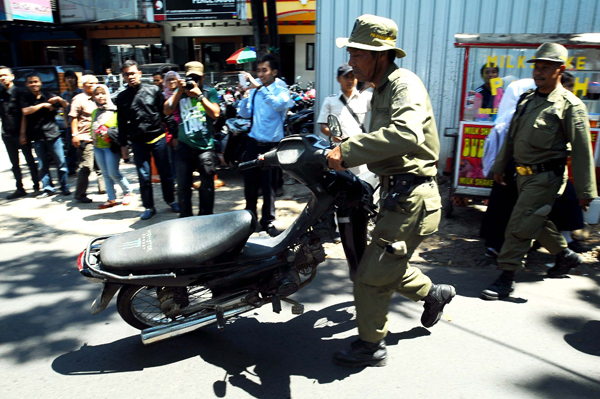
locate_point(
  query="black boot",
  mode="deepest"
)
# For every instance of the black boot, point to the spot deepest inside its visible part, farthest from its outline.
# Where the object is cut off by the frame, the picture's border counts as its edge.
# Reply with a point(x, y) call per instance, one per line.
point(17, 194)
point(501, 288)
point(439, 296)
point(565, 261)
point(361, 354)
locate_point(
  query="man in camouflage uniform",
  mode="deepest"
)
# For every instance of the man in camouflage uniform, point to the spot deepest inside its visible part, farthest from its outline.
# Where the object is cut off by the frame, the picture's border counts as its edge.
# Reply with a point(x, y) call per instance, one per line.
point(550, 123)
point(402, 147)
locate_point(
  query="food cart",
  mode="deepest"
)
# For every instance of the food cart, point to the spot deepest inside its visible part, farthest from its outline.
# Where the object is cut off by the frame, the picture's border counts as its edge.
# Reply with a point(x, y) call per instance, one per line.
point(509, 52)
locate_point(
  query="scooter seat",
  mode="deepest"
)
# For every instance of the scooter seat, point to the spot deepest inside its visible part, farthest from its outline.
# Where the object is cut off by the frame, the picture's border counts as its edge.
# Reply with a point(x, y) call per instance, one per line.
point(175, 244)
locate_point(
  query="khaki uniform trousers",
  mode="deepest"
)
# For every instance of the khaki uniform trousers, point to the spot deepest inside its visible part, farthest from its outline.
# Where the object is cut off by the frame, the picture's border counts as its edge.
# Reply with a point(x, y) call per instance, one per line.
point(529, 219)
point(380, 272)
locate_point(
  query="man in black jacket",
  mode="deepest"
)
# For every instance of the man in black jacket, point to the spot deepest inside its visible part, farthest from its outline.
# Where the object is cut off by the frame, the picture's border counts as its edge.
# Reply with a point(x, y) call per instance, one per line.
point(142, 122)
point(39, 125)
point(11, 124)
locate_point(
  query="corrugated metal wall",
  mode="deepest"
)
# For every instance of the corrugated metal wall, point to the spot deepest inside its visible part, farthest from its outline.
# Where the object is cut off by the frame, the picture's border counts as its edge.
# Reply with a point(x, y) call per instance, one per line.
point(426, 33)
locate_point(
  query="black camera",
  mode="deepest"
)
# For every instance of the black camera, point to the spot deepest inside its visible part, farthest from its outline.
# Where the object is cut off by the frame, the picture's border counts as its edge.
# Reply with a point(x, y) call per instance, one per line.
point(190, 82)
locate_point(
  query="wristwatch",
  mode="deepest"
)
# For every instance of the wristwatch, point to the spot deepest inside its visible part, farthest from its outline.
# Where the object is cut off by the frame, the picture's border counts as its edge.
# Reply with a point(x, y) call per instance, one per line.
point(200, 97)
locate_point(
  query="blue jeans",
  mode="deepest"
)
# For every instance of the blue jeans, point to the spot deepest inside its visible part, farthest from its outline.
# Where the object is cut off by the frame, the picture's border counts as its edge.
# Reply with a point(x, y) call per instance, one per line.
point(71, 151)
point(55, 148)
point(109, 165)
point(142, 153)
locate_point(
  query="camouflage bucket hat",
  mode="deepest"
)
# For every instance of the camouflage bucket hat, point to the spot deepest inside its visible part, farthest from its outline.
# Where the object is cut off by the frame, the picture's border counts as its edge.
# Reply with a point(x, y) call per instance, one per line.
point(372, 33)
point(550, 52)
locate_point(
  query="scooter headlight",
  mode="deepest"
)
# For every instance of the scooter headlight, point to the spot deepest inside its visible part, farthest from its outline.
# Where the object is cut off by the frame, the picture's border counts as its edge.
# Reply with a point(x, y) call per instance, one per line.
point(290, 153)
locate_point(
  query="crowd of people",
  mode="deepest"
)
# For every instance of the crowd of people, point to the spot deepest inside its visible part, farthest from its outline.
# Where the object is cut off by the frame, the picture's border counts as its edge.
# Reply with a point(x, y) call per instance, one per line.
point(401, 145)
point(168, 122)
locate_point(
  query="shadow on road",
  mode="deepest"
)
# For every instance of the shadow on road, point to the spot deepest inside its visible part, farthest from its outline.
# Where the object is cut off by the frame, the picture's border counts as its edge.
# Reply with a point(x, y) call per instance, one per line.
point(556, 387)
point(257, 357)
point(47, 297)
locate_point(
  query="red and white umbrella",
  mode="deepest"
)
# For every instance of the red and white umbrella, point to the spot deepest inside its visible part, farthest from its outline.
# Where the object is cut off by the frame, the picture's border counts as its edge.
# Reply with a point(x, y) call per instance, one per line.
point(245, 54)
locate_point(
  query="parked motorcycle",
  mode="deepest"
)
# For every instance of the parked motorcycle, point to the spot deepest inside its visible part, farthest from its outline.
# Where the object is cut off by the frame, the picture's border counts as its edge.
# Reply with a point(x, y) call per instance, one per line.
point(233, 136)
point(302, 122)
point(177, 276)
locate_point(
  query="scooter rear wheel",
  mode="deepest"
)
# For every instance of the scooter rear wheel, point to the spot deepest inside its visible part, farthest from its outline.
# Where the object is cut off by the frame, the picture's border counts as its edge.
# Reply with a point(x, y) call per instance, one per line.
point(140, 307)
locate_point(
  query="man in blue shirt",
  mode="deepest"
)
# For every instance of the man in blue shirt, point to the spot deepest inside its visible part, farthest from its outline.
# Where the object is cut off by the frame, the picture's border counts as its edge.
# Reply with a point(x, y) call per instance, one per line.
point(266, 106)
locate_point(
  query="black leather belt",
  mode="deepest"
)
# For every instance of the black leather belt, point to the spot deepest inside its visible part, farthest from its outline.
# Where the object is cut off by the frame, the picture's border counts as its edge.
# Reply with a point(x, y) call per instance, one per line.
point(398, 185)
point(403, 183)
point(550, 166)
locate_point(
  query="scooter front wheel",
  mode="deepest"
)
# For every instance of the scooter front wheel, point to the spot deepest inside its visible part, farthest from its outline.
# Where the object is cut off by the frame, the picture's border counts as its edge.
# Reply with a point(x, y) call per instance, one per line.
point(142, 306)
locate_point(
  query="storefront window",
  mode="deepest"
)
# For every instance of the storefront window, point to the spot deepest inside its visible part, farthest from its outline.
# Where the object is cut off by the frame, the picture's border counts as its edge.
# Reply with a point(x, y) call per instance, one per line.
point(61, 55)
point(492, 69)
point(142, 53)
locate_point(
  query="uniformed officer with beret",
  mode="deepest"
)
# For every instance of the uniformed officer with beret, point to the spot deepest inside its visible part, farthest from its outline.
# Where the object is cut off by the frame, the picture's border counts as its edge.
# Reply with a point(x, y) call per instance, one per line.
point(402, 147)
point(549, 125)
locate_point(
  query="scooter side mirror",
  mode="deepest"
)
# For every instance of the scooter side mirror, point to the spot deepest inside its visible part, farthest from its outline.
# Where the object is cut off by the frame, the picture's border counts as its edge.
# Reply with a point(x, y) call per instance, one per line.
point(335, 130)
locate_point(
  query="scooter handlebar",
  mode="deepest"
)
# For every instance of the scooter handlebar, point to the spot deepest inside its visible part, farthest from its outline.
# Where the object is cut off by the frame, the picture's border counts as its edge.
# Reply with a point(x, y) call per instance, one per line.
point(249, 165)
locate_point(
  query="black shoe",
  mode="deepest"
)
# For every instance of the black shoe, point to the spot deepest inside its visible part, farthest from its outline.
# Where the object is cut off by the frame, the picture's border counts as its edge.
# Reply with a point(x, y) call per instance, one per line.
point(501, 288)
point(45, 194)
point(439, 296)
point(272, 231)
point(148, 213)
point(17, 194)
point(337, 238)
point(66, 192)
point(175, 207)
point(565, 261)
point(577, 246)
point(362, 354)
point(279, 192)
point(84, 200)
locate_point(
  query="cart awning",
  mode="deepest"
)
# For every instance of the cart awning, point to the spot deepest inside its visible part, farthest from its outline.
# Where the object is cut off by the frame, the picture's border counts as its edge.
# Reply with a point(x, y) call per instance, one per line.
point(525, 39)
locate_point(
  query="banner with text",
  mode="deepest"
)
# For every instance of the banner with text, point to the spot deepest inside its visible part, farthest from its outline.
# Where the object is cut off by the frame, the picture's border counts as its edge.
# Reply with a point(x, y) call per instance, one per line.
point(469, 170)
point(97, 11)
point(180, 10)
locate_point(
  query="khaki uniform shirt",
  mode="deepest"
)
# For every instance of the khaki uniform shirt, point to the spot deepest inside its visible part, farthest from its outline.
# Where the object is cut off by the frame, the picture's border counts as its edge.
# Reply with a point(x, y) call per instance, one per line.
point(402, 134)
point(545, 129)
point(81, 109)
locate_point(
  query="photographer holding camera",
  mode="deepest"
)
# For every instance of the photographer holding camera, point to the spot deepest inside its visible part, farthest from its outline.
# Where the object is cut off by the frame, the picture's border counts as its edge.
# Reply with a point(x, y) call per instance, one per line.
point(195, 139)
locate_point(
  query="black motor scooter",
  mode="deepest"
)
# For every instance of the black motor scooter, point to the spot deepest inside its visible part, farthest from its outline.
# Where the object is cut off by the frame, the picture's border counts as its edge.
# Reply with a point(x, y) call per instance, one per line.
point(180, 275)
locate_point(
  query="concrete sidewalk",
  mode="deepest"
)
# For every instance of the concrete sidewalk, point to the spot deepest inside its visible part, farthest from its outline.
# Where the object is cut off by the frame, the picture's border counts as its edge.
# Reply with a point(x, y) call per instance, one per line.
point(542, 343)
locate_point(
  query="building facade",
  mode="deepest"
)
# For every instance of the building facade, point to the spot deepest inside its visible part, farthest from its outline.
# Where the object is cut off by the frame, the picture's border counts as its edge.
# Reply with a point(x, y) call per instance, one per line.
point(212, 37)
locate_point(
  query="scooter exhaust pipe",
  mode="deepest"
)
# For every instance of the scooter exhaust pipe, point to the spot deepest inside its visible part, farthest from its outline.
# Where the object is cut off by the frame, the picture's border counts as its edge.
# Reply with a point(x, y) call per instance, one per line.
point(160, 333)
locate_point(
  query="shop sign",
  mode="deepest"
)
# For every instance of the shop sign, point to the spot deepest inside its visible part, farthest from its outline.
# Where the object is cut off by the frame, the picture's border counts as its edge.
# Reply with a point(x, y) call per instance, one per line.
point(32, 10)
point(469, 169)
point(97, 10)
point(180, 10)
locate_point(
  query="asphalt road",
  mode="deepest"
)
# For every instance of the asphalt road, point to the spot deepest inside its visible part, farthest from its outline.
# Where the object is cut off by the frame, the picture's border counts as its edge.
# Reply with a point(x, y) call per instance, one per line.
point(543, 343)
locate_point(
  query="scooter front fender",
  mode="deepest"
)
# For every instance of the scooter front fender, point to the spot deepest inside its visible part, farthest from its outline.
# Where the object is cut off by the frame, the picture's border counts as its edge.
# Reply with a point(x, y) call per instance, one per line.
point(108, 292)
